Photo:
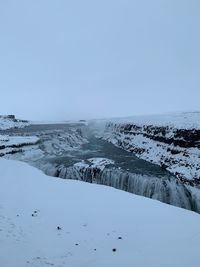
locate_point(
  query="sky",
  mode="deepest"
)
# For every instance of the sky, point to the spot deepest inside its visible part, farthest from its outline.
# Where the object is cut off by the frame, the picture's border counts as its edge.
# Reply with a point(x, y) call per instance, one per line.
point(75, 59)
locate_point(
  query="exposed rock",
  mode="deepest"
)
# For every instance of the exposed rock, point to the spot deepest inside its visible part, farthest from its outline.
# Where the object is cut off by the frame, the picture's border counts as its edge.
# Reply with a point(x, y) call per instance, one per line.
point(177, 150)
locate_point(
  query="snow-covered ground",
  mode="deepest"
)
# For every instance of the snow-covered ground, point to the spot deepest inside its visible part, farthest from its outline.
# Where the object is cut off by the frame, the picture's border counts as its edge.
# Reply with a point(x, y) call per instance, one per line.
point(180, 120)
point(8, 123)
point(52, 222)
point(13, 144)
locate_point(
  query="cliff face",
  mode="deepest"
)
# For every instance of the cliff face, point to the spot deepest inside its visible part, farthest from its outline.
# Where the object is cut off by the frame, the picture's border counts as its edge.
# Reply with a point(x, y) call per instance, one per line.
point(177, 150)
point(178, 137)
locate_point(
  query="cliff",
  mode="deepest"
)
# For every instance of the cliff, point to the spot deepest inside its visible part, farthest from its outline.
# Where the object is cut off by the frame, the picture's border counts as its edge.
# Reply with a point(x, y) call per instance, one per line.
point(173, 147)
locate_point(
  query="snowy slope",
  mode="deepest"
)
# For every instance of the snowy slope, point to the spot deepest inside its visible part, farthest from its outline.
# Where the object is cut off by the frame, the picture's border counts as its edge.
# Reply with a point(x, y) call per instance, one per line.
point(8, 122)
point(93, 219)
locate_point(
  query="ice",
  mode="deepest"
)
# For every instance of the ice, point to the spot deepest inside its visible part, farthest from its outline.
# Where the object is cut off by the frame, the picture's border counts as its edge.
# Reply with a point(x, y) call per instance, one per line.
point(165, 189)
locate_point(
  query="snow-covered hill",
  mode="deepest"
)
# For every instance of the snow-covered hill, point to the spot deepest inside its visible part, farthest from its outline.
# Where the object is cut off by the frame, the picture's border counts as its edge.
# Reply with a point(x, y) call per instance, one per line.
point(51, 222)
point(8, 122)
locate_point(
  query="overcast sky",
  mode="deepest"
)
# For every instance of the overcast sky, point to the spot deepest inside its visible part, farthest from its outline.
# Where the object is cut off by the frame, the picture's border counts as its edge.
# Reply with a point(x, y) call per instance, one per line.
point(66, 59)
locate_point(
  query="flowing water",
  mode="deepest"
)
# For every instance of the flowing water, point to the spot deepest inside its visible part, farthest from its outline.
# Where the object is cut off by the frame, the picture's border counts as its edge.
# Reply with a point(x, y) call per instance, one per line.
point(64, 145)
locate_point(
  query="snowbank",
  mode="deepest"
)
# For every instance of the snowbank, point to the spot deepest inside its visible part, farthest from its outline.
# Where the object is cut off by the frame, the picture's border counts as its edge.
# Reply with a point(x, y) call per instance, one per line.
point(52, 222)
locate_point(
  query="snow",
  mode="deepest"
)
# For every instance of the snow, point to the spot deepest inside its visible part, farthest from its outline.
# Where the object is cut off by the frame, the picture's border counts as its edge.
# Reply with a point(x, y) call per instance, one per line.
point(8, 123)
point(185, 164)
point(10, 144)
point(17, 140)
point(48, 144)
point(92, 163)
point(93, 219)
point(181, 120)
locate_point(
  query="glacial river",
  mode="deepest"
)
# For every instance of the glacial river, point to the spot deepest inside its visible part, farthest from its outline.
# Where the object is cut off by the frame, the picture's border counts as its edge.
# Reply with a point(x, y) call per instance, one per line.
point(128, 173)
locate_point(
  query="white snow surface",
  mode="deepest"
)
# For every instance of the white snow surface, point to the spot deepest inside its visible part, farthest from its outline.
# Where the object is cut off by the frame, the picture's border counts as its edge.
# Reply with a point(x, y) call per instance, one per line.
point(11, 144)
point(91, 218)
point(6, 123)
point(181, 120)
point(17, 140)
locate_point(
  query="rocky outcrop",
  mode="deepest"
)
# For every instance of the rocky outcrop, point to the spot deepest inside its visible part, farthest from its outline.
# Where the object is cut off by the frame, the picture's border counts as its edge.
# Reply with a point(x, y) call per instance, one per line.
point(177, 150)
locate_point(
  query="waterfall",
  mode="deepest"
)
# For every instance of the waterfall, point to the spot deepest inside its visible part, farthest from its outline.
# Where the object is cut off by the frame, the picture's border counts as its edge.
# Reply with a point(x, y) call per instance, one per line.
point(167, 190)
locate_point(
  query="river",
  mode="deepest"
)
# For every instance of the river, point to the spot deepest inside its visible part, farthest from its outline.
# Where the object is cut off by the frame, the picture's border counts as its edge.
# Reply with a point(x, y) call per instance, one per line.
point(64, 145)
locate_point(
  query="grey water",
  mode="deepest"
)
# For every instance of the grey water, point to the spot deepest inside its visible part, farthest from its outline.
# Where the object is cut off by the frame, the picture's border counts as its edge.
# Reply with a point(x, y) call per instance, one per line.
point(128, 173)
point(94, 148)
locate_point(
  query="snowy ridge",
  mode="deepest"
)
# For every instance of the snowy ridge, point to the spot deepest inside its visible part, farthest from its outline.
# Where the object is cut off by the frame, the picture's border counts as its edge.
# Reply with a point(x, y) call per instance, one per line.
point(181, 120)
point(13, 144)
point(88, 225)
point(9, 122)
